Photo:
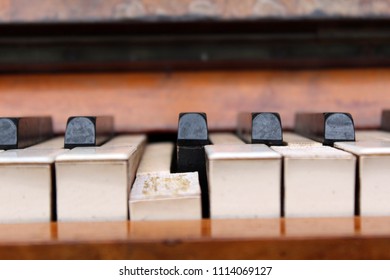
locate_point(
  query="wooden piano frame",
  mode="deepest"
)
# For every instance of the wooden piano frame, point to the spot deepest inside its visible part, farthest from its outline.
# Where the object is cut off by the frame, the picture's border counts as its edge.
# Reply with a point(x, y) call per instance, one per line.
point(147, 98)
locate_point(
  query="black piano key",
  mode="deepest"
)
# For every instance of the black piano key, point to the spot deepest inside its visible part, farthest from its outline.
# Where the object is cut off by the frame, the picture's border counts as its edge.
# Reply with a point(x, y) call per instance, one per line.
point(326, 128)
point(385, 120)
point(17, 133)
point(260, 128)
point(192, 129)
point(192, 136)
point(85, 131)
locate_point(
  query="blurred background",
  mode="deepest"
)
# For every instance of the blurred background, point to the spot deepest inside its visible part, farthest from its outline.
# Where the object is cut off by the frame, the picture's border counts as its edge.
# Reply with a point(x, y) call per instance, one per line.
point(145, 61)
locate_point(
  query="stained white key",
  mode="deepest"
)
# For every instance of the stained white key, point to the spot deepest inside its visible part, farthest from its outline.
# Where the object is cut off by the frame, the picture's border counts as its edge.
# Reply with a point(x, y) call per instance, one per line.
point(93, 183)
point(166, 197)
point(159, 195)
point(293, 139)
point(244, 181)
point(374, 175)
point(221, 138)
point(318, 181)
point(26, 190)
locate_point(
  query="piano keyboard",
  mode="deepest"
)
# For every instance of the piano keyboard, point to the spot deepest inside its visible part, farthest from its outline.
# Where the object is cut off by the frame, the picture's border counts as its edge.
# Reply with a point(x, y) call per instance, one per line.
point(276, 193)
point(91, 175)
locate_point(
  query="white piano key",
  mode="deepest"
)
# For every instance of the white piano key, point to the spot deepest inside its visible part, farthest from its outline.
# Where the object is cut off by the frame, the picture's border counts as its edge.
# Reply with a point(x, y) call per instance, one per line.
point(293, 139)
point(369, 135)
point(374, 175)
point(318, 181)
point(136, 140)
point(26, 190)
point(221, 138)
point(54, 143)
point(156, 159)
point(158, 195)
point(166, 197)
point(244, 181)
point(93, 183)
point(126, 140)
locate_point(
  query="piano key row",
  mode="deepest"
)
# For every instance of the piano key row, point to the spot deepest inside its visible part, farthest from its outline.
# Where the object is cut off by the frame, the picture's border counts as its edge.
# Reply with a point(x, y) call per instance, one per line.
point(302, 178)
point(245, 181)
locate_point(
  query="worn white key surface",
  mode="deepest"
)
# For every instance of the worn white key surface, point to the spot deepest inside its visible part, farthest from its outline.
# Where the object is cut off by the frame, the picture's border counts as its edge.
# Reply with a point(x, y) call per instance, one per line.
point(158, 195)
point(26, 185)
point(374, 175)
point(165, 197)
point(318, 181)
point(362, 148)
point(136, 140)
point(126, 140)
point(244, 181)
point(294, 139)
point(156, 159)
point(93, 183)
point(54, 143)
point(221, 138)
point(372, 135)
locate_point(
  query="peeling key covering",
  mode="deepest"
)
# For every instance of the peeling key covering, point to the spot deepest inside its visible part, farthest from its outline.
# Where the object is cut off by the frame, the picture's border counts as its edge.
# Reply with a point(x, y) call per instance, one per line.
point(165, 186)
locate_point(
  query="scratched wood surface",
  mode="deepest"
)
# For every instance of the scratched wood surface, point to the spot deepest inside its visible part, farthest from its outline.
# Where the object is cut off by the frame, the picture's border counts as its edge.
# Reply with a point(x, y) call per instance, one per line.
point(12, 11)
point(152, 101)
point(323, 238)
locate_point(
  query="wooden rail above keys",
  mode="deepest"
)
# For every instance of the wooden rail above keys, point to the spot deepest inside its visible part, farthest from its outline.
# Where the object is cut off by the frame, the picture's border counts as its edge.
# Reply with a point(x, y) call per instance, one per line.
point(322, 238)
point(151, 101)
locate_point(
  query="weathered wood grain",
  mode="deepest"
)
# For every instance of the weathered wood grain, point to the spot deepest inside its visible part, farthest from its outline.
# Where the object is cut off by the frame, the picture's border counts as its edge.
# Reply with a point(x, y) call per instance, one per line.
point(185, 10)
point(152, 101)
point(323, 238)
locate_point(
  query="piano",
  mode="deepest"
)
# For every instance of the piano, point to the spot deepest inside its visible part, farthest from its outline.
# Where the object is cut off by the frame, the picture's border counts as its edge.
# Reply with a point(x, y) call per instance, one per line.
point(145, 62)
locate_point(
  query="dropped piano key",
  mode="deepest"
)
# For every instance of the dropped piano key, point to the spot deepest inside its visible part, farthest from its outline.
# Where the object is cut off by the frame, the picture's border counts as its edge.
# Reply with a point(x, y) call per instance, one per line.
point(27, 185)
point(159, 195)
point(192, 135)
point(260, 128)
point(17, 133)
point(326, 128)
point(166, 196)
point(244, 181)
point(156, 159)
point(293, 139)
point(374, 176)
point(317, 181)
point(93, 183)
point(87, 131)
point(223, 138)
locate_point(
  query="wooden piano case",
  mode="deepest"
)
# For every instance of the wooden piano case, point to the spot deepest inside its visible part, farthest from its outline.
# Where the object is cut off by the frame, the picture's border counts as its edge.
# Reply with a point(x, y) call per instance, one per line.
point(146, 61)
